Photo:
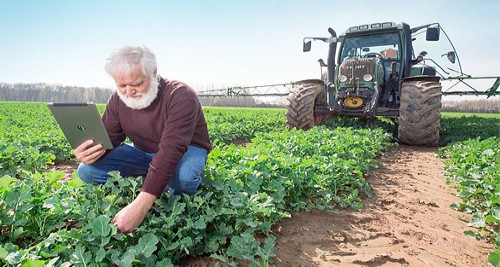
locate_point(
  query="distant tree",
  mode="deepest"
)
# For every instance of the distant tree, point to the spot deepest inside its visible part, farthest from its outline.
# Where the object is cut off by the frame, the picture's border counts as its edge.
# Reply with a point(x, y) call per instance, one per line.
point(41, 92)
point(491, 105)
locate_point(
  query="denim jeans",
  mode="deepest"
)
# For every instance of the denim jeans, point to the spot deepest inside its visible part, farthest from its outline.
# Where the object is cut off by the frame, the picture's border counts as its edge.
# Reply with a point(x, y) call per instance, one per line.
point(130, 161)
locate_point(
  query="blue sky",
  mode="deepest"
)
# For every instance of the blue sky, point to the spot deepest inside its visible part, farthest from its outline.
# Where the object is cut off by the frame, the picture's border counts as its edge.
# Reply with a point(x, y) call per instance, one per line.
point(217, 43)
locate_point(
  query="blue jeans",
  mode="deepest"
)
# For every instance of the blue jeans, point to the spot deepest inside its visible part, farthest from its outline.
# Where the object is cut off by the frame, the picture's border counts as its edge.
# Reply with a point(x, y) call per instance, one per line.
point(130, 161)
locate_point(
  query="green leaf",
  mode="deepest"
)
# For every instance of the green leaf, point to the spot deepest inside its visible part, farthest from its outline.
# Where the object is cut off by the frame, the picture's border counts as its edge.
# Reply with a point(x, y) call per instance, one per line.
point(223, 259)
point(268, 249)
point(3, 252)
point(13, 257)
point(101, 226)
point(18, 196)
point(81, 256)
point(478, 221)
point(18, 232)
point(100, 255)
point(5, 182)
point(33, 263)
point(243, 247)
point(470, 233)
point(200, 224)
point(52, 262)
point(146, 245)
point(495, 212)
point(124, 260)
point(164, 263)
point(494, 258)
point(76, 182)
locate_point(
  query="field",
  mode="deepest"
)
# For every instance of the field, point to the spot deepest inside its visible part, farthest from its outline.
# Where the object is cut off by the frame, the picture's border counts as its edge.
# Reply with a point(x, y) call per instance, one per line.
point(263, 186)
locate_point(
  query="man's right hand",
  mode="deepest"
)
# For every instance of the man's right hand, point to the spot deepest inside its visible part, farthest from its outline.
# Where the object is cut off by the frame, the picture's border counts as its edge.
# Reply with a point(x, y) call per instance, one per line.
point(88, 153)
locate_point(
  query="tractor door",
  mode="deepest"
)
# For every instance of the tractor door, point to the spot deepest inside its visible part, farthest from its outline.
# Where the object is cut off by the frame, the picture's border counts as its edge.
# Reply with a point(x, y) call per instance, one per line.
point(433, 53)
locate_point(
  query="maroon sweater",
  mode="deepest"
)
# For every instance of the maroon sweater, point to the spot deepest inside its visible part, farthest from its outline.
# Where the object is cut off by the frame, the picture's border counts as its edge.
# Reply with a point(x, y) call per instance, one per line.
point(172, 122)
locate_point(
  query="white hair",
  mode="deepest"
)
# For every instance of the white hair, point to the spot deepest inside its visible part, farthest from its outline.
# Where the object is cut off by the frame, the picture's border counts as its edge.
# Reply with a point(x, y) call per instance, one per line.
point(131, 59)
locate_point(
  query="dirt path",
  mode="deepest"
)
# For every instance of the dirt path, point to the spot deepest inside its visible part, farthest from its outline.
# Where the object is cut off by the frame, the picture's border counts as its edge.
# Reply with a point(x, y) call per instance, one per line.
point(408, 222)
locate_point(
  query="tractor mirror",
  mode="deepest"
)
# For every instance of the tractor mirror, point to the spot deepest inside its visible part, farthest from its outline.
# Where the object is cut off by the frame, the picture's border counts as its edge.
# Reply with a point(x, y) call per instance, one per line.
point(432, 34)
point(306, 47)
point(451, 56)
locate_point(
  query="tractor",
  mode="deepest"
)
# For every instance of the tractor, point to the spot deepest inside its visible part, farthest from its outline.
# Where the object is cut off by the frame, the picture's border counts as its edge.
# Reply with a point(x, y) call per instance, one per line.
point(374, 70)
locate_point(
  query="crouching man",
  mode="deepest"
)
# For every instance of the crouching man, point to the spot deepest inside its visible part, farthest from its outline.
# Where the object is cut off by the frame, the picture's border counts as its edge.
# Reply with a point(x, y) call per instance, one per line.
point(165, 123)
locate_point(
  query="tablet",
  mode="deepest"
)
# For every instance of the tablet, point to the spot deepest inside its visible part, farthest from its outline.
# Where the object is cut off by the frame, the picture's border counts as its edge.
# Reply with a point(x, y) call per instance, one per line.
point(80, 122)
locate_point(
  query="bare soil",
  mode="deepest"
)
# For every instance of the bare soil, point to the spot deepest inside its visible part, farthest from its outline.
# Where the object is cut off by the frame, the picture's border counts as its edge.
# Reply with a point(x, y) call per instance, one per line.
point(67, 167)
point(408, 222)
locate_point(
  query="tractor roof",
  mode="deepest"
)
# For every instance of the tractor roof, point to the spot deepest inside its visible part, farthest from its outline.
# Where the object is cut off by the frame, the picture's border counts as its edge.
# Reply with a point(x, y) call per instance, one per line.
point(364, 28)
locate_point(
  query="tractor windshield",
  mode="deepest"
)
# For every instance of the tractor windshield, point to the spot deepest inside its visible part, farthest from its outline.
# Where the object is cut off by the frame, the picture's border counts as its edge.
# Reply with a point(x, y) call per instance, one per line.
point(439, 54)
point(385, 45)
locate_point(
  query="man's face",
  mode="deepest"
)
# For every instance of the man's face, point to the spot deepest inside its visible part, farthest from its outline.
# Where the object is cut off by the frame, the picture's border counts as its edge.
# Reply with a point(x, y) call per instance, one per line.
point(132, 85)
point(136, 90)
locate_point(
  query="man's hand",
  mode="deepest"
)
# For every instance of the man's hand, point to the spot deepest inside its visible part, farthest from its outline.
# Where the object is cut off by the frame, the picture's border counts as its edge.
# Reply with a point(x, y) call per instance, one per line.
point(87, 153)
point(130, 217)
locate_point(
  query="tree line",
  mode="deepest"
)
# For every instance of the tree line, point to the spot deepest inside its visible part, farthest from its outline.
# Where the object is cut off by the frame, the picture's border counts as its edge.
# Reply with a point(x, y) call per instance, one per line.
point(491, 105)
point(41, 92)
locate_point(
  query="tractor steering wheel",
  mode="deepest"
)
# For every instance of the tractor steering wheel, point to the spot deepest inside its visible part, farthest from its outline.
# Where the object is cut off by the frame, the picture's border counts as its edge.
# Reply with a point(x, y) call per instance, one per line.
point(373, 54)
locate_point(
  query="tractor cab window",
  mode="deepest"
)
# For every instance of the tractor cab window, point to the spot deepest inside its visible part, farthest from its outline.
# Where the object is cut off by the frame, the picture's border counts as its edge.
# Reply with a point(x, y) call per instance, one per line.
point(385, 46)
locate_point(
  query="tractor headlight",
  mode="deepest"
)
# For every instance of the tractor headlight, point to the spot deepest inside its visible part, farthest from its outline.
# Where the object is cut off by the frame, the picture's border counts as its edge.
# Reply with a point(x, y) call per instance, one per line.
point(368, 77)
point(342, 78)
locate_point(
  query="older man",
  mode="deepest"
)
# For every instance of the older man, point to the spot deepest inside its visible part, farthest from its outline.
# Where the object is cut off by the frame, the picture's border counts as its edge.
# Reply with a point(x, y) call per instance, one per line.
point(165, 123)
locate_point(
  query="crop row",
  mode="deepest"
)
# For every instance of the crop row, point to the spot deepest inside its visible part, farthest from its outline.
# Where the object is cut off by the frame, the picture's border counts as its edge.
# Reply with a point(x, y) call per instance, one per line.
point(473, 167)
point(245, 191)
point(31, 140)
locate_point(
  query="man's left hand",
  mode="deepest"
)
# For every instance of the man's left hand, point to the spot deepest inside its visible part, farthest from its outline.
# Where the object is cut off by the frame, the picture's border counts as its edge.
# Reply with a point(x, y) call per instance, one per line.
point(130, 217)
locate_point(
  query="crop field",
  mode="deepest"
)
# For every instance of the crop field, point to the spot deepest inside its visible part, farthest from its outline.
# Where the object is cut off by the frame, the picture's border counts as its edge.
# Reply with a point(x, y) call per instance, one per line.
point(258, 173)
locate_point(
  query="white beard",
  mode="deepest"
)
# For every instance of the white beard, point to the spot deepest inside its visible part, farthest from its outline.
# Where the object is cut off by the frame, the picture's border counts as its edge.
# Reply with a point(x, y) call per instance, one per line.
point(146, 98)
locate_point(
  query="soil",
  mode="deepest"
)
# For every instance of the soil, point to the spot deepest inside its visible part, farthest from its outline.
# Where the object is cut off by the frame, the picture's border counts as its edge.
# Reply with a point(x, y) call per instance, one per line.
point(67, 167)
point(407, 222)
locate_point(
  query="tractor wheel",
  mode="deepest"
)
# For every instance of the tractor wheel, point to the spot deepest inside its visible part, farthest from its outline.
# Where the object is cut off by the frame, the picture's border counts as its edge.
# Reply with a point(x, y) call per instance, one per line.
point(300, 106)
point(420, 113)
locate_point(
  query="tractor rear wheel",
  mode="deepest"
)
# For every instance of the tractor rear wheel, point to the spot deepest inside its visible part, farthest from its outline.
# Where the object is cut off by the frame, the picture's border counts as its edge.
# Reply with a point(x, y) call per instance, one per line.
point(300, 105)
point(420, 113)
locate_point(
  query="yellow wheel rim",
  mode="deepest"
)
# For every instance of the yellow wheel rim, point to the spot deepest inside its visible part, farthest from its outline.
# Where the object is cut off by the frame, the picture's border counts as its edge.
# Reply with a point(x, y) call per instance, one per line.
point(353, 102)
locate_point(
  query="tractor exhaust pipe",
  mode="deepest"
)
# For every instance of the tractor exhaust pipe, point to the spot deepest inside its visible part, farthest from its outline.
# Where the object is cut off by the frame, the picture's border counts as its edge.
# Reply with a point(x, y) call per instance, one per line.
point(331, 55)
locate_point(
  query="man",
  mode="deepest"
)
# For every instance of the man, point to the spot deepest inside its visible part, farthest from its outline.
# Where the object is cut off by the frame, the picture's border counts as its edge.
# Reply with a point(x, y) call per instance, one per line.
point(165, 123)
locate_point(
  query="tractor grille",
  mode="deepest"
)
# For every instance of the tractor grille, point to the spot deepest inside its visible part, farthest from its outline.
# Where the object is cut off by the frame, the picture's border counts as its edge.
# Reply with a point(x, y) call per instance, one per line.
point(355, 68)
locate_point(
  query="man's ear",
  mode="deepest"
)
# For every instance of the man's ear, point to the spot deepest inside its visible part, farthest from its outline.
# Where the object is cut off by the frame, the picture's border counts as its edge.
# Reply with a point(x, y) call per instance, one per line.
point(155, 72)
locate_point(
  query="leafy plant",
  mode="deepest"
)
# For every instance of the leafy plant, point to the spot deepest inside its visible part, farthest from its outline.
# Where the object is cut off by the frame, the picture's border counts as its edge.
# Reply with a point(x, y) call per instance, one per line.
point(245, 191)
point(474, 168)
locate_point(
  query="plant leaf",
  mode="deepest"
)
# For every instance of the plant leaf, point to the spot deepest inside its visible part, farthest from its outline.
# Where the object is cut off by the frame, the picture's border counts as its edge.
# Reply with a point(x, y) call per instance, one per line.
point(146, 245)
point(100, 226)
point(494, 257)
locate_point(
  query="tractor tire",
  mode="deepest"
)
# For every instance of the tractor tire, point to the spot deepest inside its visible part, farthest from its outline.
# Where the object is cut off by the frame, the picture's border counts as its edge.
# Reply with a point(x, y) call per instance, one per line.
point(300, 106)
point(420, 113)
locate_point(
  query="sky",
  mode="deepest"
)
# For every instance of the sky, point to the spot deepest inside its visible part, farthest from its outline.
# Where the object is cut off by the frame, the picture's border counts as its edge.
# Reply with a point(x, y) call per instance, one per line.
point(216, 43)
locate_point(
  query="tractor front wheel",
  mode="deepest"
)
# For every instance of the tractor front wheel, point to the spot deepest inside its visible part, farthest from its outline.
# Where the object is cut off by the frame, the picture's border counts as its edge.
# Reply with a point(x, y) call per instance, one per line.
point(420, 113)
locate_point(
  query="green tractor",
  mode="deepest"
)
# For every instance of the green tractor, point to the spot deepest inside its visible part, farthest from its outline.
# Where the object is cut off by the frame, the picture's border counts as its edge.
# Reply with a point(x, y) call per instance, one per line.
point(376, 72)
